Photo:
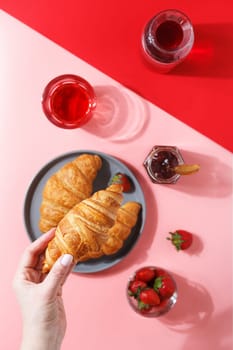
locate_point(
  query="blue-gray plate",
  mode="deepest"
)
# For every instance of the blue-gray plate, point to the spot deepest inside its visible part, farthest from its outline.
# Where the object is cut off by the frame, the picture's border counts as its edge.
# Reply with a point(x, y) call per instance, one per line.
point(110, 167)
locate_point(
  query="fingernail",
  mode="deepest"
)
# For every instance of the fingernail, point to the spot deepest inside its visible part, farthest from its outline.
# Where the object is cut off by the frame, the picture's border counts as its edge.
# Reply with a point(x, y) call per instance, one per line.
point(66, 259)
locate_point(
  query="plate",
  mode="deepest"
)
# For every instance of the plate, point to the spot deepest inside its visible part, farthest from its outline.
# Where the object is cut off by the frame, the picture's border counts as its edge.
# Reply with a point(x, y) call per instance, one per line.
point(110, 167)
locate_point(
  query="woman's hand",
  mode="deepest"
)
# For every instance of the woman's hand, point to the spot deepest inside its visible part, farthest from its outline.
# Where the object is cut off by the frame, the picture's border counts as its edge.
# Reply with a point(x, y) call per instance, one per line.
point(40, 296)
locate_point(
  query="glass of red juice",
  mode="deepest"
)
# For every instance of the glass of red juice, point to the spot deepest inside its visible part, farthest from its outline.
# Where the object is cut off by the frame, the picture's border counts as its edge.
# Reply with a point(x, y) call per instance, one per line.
point(68, 101)
point(167, 39)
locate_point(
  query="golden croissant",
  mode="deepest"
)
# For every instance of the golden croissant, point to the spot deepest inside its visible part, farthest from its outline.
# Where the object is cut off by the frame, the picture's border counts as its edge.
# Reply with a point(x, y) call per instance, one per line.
point(68, 186)
point(84, 228)
point(126, 219)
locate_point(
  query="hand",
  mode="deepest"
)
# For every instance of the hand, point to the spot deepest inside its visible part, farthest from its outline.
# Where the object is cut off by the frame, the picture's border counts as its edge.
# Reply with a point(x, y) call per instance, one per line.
point(40, 296)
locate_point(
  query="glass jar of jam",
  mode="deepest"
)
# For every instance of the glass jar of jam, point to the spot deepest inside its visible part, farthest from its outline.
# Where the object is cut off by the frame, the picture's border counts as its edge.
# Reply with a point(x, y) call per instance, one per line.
point(161, 162)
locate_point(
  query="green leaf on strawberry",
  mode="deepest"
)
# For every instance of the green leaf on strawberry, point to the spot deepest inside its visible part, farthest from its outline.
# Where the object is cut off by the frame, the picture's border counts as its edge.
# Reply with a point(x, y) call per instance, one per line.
point(158, 283)
point(164, 286)
point(143, 307)
point(122, 179)
point(135, 288)
point(181, 239)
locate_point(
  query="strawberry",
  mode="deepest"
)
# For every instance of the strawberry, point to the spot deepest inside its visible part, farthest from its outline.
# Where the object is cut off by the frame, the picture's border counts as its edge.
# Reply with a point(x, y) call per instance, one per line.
point(164, 286)
point(135, 287)
point(123, 180)
point(148, 297)
point(160, 272)
point(181, 239)
point(145, 274)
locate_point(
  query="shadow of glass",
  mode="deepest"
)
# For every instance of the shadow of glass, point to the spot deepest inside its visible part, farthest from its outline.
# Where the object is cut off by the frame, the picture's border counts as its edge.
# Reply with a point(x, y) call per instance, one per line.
point(194, 306)
point(212, 53)
point(214, 178)
point(215, 335)
point(118, 116)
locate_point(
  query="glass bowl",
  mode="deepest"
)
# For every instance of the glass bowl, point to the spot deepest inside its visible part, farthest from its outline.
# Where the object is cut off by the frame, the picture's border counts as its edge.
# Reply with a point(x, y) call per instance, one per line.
point(68, 101)
point(151, 291)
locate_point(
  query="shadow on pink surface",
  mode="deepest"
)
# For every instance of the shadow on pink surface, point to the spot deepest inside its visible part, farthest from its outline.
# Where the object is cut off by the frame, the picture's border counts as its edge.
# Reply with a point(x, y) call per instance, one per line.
point(216, 334)
point(212, 53)
point(214, 178)
point(194, 315)
point(118, 117)
point(193, 309)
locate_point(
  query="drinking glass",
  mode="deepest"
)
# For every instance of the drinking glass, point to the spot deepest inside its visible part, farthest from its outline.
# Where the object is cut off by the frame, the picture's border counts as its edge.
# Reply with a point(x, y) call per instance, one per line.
point(68, 101)
point(167, 39)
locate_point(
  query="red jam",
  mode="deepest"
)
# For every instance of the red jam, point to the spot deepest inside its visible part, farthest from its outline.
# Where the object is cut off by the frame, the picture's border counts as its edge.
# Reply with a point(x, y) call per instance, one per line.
point(160, 164)
point(163, 163)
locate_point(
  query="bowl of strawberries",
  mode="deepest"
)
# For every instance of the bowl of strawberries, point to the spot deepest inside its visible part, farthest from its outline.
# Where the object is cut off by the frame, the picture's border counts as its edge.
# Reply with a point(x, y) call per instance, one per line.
point(151, 291)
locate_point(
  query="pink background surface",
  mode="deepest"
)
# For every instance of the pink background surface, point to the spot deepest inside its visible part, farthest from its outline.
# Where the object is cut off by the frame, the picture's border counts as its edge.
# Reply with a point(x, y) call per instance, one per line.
point(97, 310)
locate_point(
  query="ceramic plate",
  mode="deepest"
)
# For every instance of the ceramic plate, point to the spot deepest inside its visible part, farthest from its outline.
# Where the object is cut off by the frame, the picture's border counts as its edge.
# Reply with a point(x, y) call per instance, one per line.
point(110, 167)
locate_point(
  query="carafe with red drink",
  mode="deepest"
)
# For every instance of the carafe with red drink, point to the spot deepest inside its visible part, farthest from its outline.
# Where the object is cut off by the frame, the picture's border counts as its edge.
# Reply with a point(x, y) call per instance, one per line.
point(167, 39)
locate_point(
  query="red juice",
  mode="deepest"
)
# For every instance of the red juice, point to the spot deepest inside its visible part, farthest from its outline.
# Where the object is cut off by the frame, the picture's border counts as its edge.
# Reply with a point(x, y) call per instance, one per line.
point(169, 35)
point(167, 39)
point(70, 103)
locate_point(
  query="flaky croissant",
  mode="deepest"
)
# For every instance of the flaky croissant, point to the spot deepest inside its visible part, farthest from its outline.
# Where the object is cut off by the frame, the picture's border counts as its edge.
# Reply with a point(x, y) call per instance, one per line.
point(67, 187)
point(126, 219)
point(83, 229)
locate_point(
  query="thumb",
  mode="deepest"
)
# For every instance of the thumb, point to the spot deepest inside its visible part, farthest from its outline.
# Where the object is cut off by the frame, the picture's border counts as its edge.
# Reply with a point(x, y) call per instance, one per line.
point(58, 274)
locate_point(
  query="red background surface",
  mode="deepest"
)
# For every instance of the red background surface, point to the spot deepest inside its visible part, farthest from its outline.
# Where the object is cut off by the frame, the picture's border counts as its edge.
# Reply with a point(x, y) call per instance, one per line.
point(107, 35)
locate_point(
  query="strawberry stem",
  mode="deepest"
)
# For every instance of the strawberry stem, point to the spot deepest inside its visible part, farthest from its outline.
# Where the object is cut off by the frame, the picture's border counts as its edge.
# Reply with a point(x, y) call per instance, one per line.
point(176, 240)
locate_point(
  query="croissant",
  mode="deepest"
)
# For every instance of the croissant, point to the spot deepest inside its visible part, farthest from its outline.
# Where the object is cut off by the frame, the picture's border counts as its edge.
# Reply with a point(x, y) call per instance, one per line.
point(126, 219)
point(68, 186)
point(84, 227)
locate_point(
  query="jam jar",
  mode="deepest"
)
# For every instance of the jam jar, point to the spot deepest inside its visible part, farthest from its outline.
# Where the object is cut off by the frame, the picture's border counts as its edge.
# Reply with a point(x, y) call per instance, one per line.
point(161, 162)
